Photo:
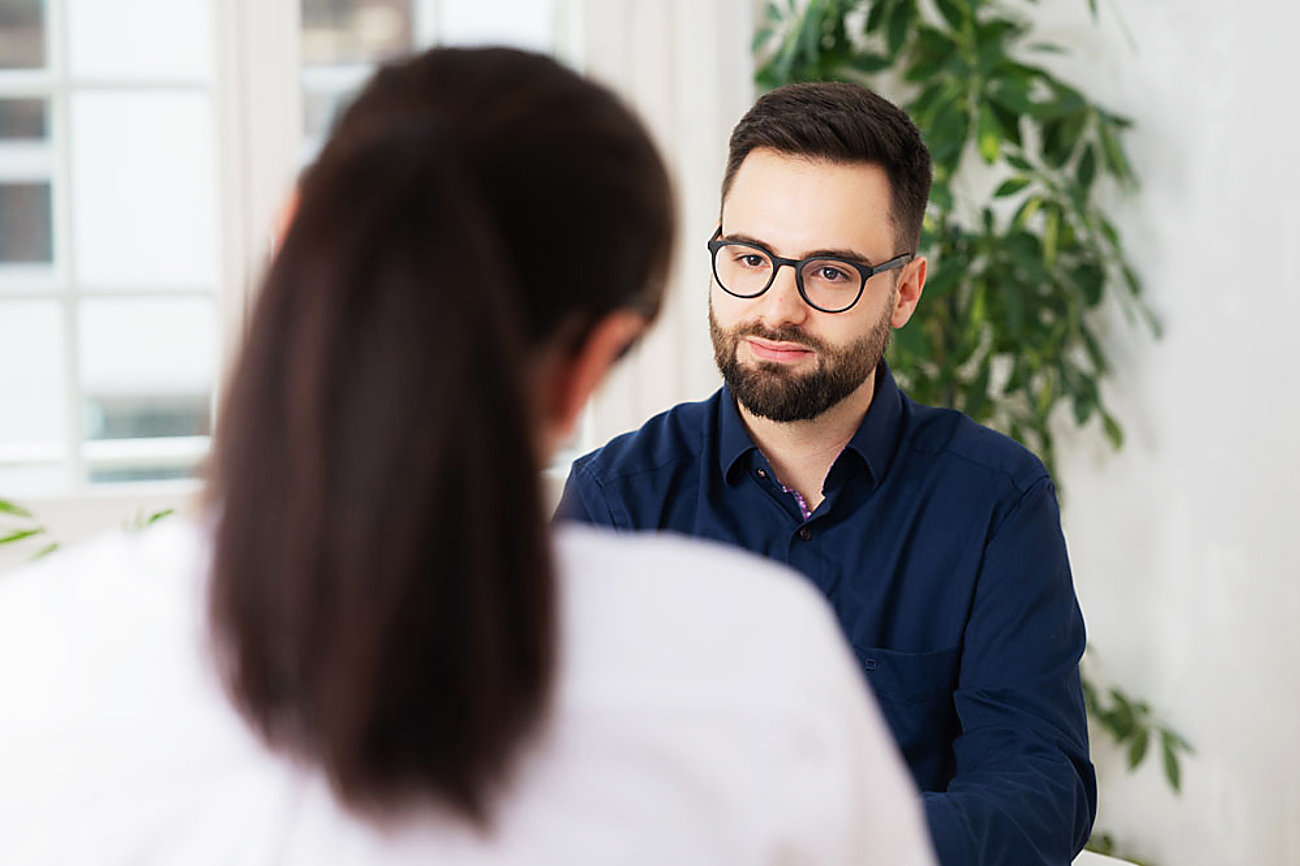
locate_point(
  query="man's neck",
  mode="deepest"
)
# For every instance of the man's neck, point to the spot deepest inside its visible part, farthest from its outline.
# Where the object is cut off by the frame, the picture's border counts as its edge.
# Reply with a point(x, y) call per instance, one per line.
point(801, 452)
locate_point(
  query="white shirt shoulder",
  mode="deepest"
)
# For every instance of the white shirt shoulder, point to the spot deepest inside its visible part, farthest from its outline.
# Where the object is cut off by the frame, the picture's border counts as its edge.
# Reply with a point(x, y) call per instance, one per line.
point(705, 711)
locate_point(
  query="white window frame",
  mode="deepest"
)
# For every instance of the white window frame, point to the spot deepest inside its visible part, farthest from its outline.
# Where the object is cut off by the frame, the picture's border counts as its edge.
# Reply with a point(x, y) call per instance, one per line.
point(257, 106)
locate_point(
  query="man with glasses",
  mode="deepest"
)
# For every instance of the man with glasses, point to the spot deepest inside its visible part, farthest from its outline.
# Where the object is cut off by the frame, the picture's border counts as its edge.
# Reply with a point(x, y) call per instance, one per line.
point(937, 541)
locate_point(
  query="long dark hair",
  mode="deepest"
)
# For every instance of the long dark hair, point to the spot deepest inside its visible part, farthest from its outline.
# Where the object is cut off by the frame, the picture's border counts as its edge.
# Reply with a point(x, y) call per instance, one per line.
point(383, 602)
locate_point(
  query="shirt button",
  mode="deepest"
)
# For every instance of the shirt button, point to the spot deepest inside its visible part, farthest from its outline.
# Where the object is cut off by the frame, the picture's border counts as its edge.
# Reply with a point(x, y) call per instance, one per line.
point(760, 473)
point(805, 533)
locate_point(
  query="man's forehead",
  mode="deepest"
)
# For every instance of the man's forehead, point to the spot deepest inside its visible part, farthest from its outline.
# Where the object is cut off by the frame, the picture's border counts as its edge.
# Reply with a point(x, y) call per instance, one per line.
point(806, 204)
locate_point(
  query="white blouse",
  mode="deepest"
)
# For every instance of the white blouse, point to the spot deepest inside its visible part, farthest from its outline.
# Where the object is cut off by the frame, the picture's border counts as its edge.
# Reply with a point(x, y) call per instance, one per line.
point(707, 711)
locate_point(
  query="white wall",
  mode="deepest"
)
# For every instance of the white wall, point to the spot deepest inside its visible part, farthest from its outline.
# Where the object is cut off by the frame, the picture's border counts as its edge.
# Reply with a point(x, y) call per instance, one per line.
point(1184, 544)
point(685, 67)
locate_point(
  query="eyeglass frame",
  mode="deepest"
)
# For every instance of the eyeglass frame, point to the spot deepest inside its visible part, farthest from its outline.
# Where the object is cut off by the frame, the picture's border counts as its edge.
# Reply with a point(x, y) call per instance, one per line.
point(865, 271)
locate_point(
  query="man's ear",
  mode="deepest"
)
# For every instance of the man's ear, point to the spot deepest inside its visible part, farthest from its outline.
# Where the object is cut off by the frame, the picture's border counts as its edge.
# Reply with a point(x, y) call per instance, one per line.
point(911, 282)
point(577, 374)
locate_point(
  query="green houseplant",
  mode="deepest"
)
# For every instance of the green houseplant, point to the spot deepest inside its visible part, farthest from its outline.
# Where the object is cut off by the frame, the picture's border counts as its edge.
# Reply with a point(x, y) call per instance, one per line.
point(1023, 254)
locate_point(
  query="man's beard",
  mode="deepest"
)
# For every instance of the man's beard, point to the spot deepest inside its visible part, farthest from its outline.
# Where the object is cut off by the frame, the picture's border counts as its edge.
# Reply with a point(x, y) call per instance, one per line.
point(771, 390)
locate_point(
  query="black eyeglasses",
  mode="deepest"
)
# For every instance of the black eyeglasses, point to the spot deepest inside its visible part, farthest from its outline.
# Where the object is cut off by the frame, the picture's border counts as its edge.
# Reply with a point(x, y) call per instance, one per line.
point(826, 283)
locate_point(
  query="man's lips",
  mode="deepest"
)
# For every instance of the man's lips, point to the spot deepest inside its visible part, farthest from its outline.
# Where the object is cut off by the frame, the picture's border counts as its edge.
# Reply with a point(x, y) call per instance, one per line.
point(770, 350)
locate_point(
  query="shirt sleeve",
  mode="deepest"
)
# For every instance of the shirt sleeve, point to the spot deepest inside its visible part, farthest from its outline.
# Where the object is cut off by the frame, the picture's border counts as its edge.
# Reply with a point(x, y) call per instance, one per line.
point(574, 501)
point(1024, 790)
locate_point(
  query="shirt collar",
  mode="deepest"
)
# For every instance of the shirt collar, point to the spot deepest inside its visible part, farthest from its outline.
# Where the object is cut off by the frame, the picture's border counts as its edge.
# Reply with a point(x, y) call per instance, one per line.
point(874, 442)
point(734, 441)
point(877, 437)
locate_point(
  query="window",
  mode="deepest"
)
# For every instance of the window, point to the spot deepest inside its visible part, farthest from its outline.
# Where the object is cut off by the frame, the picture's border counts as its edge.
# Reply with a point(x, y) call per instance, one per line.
point(124, 173)
point(109, 239)
point(146, 147)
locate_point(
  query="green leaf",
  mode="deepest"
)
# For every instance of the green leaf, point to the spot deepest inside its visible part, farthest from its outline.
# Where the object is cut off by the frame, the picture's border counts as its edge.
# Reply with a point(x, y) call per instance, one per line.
point(1061, 137)
point(869, 63)
point(1051, 236)
point(899, 23)
point(990, 141)
point(1173, 772)
point(1178, 741)
point(941, 197)
point(7, 507)
point(876, 16)
point(1026, 212)
point(810, 29)
point(1113, 431)
point(19, 535)
point(1008, 123)
point(1084, 405)
point(1091, 281)
point(45, 551)
point(945, 278)
point(952, 13)
point(1026, 251)
point(1011, 89)
point(1137, 750)
point(1103, 843)
point(1019, 162)
point(947, 135)
point(911, 339)
point(1011, 186)
point(1087, 169)
point(1014, 306)
point(1122, 722)
point(1131, 279)
point(977, 393)
point(1112, 154)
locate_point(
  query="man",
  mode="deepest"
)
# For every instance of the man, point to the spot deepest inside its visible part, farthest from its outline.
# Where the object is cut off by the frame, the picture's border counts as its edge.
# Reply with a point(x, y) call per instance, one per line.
point(937, 541)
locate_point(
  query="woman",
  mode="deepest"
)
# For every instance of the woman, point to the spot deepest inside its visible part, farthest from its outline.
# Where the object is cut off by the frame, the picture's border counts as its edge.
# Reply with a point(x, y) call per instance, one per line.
point(374, 649)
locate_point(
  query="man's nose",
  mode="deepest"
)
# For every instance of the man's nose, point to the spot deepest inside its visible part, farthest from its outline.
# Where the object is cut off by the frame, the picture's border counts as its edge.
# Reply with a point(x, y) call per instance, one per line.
point(782, 304)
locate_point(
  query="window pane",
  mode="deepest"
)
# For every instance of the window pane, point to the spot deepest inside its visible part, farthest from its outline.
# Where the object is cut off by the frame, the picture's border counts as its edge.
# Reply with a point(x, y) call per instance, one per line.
point(24, 119)
point(522, 23)
point(354, 31)
point(121, 475)
point(32, 386)
point(22, 34)
point(19, 480)
point(25, 223)
point(144, 189)
point(149, 39)
point(147, 366)
point(326, 91)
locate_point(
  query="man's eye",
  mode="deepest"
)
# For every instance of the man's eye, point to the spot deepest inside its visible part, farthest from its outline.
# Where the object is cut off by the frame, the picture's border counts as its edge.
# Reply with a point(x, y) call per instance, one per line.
point(831, 274)
point(751, 260)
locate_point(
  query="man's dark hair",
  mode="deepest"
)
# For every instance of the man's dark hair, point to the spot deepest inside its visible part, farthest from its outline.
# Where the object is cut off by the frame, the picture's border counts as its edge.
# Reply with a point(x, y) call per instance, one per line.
point(383, 601)
point(842, 123)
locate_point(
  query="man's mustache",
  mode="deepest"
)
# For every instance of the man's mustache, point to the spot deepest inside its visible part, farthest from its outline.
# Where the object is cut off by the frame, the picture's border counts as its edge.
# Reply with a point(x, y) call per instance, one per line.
point(789, 334)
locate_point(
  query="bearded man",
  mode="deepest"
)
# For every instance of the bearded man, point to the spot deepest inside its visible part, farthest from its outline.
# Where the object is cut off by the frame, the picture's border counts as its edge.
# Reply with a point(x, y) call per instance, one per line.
point(937, 541)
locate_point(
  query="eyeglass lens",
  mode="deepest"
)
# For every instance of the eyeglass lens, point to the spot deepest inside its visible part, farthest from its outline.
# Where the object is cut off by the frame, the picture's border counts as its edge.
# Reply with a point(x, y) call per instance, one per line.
point(746, 271)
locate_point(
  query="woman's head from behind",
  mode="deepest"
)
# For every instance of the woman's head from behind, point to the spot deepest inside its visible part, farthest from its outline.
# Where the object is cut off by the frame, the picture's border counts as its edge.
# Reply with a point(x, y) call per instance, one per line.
point(483, 233)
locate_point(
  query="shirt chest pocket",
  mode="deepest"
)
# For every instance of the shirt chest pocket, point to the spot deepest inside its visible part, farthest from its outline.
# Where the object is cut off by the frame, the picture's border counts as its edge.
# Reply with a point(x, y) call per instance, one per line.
point(915, 693)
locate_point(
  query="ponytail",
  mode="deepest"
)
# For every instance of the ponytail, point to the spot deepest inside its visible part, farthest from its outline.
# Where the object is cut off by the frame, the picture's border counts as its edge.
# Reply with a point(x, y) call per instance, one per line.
point(383, 598)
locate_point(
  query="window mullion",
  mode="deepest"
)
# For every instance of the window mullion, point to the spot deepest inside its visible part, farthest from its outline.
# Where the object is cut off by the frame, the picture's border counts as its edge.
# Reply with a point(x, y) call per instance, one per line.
point(62, 227)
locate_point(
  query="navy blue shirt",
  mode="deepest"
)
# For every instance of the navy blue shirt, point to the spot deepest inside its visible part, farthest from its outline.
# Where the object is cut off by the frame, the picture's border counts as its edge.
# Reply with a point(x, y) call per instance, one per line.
point(939, 545)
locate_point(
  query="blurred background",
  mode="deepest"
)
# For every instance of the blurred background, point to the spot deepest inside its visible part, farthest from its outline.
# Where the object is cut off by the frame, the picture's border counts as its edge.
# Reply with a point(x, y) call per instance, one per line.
point(146, 147)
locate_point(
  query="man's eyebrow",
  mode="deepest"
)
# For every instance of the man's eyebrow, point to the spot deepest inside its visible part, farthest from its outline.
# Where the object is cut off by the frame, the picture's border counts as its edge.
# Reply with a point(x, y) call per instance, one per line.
point(848, 255)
